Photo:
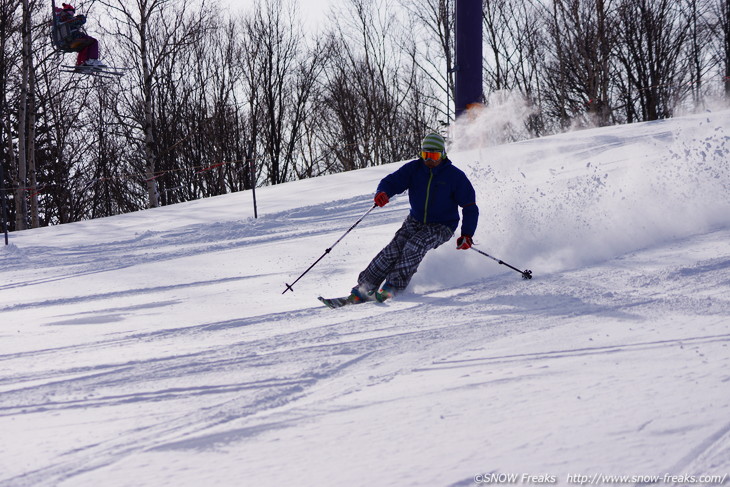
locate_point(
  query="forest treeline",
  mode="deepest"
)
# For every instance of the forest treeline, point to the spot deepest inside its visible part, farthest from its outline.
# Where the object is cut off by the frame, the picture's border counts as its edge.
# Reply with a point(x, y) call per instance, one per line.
point(217, 100)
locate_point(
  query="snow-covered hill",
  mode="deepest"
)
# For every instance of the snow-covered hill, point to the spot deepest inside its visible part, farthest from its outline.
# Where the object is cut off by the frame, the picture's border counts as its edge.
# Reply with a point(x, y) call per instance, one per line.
point(157, 348)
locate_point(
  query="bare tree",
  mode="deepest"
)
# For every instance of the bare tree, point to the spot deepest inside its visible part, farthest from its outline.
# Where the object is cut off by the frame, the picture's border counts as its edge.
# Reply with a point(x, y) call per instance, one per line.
point(432, 50)
point(725, 23)
point(25, 106)
point(370, 88)
point(580, 73)
point(151, 31)
point(516, 49)
point(10, 25)
point(719, 12)
point(698, 47)
point(282, 81)
point(499, 27)
point(652, 36)
point(605, 38)
point(199, 118)
point(214, 104)
point(313, 155)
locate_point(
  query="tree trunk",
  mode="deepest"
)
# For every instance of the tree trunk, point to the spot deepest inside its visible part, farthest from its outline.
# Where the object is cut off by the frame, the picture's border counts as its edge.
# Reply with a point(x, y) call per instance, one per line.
point(562, 96)
point(153, 195)
point(21, 202)
point(31, 153)
point(603, 109)
point(726, 31)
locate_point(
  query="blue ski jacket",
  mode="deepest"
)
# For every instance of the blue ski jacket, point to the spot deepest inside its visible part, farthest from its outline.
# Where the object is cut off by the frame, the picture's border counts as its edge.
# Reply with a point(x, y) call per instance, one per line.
point(435, 194)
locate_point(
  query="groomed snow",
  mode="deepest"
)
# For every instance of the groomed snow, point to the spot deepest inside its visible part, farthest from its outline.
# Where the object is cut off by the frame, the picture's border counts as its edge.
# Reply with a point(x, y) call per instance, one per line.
point(156, 348)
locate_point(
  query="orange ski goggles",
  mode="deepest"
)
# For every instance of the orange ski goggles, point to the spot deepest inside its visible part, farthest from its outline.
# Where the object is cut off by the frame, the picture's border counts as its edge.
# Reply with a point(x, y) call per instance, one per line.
point(434, 156)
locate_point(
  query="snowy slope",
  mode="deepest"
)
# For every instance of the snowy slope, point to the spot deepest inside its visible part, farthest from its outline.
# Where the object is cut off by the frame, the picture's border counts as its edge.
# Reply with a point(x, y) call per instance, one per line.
point(157, 348)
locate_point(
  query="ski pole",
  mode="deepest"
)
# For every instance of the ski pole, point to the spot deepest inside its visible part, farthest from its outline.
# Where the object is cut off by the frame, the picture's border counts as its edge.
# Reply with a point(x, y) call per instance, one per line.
point(289, 287)
point(526, 274)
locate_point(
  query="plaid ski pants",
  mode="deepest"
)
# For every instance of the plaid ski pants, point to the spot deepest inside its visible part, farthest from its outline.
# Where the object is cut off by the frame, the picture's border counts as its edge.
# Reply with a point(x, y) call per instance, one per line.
point(399, 260)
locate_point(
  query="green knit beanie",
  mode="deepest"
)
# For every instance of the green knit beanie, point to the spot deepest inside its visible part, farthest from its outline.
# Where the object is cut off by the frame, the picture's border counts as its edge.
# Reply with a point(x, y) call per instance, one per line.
point(433, 143)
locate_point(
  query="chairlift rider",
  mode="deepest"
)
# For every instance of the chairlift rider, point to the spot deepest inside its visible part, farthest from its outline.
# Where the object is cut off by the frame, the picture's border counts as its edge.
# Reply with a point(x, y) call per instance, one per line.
point(68, 36)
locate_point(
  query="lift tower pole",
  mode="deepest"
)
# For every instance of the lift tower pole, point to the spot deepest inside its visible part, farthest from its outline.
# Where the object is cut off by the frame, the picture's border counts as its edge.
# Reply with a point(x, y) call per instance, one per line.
point(468, 83)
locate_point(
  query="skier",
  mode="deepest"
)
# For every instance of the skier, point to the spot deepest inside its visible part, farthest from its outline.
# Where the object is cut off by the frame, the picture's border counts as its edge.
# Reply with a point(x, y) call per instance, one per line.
point(436, 188)
point(69, 37)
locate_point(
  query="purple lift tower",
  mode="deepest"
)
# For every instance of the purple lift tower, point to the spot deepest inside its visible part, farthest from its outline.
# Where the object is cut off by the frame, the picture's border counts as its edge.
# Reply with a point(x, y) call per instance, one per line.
point(468, 68)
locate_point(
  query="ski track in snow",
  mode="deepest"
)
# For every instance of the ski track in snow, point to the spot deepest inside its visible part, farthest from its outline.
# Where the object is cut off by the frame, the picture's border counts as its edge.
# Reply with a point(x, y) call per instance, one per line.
point(161, 355)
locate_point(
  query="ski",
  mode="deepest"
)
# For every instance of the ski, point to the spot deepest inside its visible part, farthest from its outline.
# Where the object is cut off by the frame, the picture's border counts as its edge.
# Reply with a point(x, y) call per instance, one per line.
point(94, 74)
point(104, 72)
point(343, 301)
point(114, 68)
point(337, 302)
